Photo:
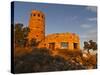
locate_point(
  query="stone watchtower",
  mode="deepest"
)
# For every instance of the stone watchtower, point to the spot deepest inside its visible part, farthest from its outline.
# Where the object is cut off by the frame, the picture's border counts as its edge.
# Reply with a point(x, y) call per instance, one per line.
point(37, 25)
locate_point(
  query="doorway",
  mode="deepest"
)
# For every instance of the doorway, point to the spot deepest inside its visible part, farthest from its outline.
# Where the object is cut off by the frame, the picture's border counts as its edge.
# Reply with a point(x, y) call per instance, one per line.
point(52, 46)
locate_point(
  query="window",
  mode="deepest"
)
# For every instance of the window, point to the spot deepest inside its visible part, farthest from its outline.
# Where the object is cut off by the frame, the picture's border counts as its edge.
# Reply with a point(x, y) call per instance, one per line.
point(52, 46)
point(64, 44)
point(44, 44)
point(75, 45)
point(34, 14)
point(36, 35)
point(42, 16)
point(38, 15)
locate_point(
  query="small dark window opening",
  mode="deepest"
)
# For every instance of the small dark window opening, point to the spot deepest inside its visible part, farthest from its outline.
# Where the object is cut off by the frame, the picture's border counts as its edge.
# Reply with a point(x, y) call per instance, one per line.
point(34, 14)
point(36, 35)
point(44, 44)
point(42, 16)
point(75, 45)
point(38, 15)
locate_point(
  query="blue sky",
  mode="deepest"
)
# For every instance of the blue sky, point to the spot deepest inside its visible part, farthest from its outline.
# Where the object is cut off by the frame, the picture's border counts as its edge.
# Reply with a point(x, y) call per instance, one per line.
point(81, 20)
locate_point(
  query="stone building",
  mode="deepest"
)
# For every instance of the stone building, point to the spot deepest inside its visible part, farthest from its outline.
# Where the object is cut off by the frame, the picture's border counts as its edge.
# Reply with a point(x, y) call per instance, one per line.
point(37, 25)
point(53, 41)
point(61, 41)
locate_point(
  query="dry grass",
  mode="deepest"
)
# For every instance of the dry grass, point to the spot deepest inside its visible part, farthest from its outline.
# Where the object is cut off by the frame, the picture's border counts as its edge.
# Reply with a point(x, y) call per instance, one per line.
point(75, 56)
point(22, 50)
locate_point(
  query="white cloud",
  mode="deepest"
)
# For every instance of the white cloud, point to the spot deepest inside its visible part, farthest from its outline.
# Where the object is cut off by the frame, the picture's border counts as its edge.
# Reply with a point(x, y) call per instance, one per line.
point(92, 8)
point(92, 19)
point(85, 26)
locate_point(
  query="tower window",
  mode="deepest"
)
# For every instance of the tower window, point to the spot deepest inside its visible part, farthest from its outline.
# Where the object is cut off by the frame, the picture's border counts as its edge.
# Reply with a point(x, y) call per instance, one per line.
point(42, 16)
point(36, 35)
point(44, 44)
point(38, 15)
point(34, 14)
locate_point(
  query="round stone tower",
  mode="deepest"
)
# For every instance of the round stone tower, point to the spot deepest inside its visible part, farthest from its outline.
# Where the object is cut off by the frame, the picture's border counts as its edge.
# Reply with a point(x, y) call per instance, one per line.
point(37, 25)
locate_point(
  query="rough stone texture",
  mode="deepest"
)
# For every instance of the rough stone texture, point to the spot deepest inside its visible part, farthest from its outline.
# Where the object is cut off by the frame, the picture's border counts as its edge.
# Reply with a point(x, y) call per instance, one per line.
point(37, 25)
point(57, 38)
